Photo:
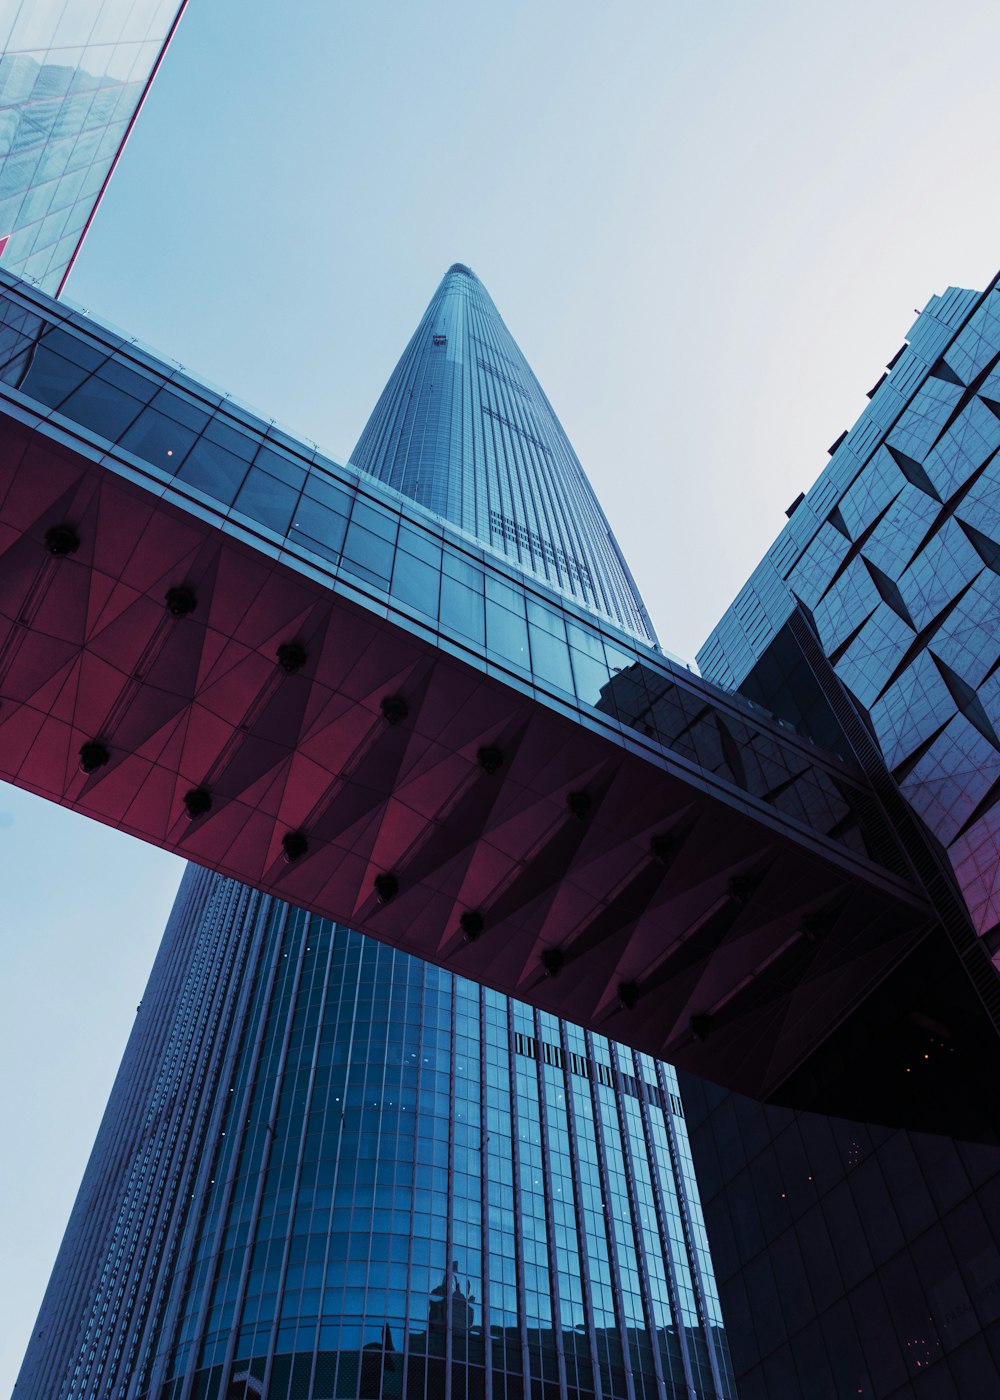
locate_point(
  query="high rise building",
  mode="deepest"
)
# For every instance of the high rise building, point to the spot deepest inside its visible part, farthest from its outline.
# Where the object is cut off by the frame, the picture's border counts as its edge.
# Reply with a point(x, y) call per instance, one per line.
point(330, 1169)
point(73, 77)
point(854, 1260)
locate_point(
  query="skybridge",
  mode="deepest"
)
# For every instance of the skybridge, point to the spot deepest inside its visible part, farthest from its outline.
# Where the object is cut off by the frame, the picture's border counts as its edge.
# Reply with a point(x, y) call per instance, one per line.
point(216, 639)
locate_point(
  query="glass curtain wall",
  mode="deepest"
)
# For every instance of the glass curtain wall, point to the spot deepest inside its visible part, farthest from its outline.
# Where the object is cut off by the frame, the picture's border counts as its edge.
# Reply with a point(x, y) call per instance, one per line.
point(329, 1169)
point(73, 74)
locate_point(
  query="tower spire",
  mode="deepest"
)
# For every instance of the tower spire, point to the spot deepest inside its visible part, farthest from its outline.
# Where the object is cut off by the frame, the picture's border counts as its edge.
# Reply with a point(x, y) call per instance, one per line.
point(464, 427)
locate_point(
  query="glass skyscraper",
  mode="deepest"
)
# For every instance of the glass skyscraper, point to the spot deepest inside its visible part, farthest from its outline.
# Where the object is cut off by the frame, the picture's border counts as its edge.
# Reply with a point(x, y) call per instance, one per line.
point(329, 1169)
point(893, 557)
point(73, 75)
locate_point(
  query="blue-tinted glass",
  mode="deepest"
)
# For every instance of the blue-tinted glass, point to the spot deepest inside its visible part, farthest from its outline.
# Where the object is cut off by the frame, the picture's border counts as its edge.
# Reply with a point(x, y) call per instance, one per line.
point(50, 378)
point(280, 467)
point(370, 554)
point(213, 468)
point(266, 500)
point(158, 439)
point(415, 583)
point(462, 609)
point(101, 406)
point(316, 524)
point(71, 79)
point(182, 409)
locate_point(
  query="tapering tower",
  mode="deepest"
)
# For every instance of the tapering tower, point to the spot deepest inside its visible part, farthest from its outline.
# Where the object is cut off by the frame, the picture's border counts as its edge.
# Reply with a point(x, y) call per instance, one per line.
point(464, 428)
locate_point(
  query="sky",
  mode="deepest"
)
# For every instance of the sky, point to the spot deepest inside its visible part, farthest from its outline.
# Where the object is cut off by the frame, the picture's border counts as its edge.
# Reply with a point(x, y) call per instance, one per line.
point(707, 226)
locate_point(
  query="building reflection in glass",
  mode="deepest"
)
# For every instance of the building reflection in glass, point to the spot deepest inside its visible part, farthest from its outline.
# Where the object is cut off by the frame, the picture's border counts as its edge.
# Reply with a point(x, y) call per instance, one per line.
point(377, 1179)
point(72, 77)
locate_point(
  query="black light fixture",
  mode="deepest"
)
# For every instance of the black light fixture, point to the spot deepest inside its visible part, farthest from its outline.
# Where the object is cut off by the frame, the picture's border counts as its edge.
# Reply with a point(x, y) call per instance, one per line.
point(291, 657)
point(294, 844)
point(552, 961)
point(661, 848)
point(181, 601)
point(394, 709)
point(812, 925)
point(93, 755)
point(740, 887)
point(701, 1025)
point(386, 887)
point(197, 802)
point(472, 924)
point(61, 540)
point(628, 995)
point(579, 805)
point(490, 759)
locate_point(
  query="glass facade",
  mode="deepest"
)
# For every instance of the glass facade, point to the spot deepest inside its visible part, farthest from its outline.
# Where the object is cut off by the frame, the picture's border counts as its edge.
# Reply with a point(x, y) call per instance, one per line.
point(73, 74)
point(328, 1169)
point(851, 1259)
point(855, 1260)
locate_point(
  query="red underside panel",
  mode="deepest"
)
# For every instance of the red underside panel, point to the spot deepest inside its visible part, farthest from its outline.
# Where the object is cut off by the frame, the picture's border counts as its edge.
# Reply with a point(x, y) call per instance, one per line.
point(635, 943)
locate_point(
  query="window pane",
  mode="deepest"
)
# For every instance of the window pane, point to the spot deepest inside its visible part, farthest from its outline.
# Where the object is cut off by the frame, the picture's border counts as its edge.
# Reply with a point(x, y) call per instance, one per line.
point(550, 659)
point(590, 676)
point(462, 610)
point(266, 500)
point(316, 524)
point(158, 439)
point(506, 634)
point(416, 542)
point(379, 522)
point(329, 493)
point(50, 378)
point(81, 352)
point(292, 473)
point(415, 583)
point(212, 468)
point(225, 434)
point(181, 409)
point(130, 381)
point(368, 553)
point(102, 408)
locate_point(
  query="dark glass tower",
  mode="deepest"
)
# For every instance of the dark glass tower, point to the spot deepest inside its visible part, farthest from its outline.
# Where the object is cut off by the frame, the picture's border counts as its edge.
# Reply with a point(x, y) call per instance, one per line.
point(328, 1169)
point(854, 1260)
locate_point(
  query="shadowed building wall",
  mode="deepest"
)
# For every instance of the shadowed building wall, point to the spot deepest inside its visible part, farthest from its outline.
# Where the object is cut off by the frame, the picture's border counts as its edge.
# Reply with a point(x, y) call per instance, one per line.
point(855, 1260)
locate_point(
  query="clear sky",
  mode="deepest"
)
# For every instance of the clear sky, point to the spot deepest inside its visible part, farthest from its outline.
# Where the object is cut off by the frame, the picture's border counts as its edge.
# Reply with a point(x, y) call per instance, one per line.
point(708, 227)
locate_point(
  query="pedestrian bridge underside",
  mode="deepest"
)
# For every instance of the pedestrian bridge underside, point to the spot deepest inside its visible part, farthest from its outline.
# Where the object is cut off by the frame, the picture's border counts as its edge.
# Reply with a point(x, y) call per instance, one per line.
point(217, 640)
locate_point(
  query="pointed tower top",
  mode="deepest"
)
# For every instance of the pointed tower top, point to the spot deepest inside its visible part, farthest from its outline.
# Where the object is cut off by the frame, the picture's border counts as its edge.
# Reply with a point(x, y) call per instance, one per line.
point(464, 428)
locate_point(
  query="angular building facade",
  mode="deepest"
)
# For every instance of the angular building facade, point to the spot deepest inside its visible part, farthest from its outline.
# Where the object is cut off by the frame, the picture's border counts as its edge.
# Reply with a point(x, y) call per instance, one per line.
point(893, 556)
point(329, 1169)
point(854, 1260)
point(73, 77)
